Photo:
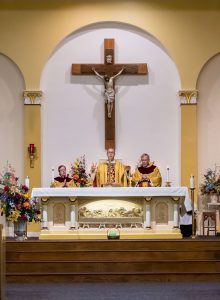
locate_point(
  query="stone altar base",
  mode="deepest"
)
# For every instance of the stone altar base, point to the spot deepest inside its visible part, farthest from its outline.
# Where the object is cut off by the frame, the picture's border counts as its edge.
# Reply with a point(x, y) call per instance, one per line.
point(101, 234)
point(88, 213)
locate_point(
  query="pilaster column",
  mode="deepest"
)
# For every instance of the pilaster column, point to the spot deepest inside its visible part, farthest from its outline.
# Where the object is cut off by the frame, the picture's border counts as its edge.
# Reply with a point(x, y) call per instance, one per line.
point(73, 214)
point(32, 135)
point(188, 102)
point(44, 214)
point(176, 213)
point(147, 222)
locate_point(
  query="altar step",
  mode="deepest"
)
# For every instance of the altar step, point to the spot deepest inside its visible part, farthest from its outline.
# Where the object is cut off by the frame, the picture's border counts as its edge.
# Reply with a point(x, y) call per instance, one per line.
point(136, 260)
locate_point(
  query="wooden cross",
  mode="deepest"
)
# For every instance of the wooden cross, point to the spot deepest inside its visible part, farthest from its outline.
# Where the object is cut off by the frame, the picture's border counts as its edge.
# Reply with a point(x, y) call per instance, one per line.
point(109, 68)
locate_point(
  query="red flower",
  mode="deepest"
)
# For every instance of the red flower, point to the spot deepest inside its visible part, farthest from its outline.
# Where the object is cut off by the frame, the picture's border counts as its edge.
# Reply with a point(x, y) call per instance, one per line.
point(17, 196)
point(6, 188)
point(25, 188)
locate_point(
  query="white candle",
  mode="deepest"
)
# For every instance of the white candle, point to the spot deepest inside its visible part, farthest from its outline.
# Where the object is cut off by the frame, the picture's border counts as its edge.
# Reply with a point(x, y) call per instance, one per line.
point(27, 182)
point(52, 174)
point(191, 182)
point(168, 175)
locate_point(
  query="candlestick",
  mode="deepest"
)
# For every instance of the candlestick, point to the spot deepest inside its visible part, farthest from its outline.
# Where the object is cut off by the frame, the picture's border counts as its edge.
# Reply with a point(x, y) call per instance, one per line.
point(52, 174)
point(191, 182)
point(168, 175)
point(193, 214)
point(27, 182)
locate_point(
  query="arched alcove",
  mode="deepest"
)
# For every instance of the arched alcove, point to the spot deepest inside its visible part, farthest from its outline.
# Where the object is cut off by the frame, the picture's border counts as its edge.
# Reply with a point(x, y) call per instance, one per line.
point(147, 107)
point(11, 115)
point(208, 85)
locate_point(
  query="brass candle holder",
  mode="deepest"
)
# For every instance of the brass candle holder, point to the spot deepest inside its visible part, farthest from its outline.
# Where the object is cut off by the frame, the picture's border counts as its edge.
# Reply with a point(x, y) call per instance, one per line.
point(32, 154)
point(192, 190)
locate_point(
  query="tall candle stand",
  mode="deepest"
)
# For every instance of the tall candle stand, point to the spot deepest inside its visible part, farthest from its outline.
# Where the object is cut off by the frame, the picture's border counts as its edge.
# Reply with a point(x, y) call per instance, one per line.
point(192, 190)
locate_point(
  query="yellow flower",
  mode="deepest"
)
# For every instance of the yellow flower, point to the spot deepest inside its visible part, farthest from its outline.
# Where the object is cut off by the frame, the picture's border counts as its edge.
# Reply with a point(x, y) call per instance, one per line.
point(14, 216)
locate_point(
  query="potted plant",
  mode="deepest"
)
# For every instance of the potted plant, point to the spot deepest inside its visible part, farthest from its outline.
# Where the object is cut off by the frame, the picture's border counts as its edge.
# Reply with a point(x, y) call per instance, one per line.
point(16, 204)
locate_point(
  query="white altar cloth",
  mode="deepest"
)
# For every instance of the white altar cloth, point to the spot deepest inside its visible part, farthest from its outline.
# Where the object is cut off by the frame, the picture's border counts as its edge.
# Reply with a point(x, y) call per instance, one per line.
point(115, 192)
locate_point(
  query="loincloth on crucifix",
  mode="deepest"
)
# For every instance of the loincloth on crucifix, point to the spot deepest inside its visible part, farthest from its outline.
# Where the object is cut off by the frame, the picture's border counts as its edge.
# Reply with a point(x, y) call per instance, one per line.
point(109, 97)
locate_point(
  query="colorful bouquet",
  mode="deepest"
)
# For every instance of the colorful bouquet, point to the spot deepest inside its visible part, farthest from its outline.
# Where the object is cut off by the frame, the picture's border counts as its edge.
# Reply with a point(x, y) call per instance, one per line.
point(78, 173)
point(211, 183)
point(14, 198)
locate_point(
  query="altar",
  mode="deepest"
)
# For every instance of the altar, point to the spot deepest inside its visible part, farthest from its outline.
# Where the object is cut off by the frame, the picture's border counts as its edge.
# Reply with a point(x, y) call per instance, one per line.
point(88, 213)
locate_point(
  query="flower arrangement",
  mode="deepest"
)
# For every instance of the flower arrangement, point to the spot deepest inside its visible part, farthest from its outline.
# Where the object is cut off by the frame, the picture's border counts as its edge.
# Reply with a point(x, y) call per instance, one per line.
point(14, 199)
point(211, 183)
point(78, 173)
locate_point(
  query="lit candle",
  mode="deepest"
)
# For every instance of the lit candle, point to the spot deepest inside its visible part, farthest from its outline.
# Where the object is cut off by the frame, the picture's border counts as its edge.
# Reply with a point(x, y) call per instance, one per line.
point(27, 182)
point(31, 148)
point(52, 175)
point(191, 182)
point(168, 175)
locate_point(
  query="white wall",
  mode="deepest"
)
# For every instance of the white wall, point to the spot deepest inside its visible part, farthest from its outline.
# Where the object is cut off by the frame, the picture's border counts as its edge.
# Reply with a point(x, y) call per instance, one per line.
point(11, 115)
point(208, 86)
point(147, 107)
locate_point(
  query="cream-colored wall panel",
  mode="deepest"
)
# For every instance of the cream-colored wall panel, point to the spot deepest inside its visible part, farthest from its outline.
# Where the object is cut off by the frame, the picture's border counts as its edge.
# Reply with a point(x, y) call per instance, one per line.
point(11, 115)
point(208, 116)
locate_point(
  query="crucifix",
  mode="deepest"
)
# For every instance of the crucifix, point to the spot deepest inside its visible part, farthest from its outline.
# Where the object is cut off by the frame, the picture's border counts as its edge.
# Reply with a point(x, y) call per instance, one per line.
point(108, 72)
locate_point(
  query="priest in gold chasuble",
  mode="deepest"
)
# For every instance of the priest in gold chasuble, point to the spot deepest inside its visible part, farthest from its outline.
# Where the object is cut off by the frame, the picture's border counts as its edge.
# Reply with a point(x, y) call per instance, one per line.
point(147, 174)
point(110, 172)
point(63, 180)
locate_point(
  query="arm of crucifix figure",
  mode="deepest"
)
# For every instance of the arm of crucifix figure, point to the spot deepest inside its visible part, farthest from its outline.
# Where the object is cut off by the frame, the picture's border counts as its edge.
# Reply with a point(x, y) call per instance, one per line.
point(96, 73)
point(119, 73)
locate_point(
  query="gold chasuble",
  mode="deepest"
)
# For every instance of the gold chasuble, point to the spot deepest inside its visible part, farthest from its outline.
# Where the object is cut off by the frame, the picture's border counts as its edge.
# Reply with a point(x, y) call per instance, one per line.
point(110, 173)
point(152, 173)
point(59, 182)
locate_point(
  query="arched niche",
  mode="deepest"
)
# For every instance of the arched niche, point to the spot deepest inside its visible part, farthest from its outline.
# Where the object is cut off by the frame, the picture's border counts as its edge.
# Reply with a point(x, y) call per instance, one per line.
point(147, 108)
point(11, 115)
point(208, 85)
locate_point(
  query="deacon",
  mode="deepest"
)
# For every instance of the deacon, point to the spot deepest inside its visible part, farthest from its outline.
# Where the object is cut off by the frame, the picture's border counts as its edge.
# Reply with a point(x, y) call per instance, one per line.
point(110, 172)
point(147, 174)
point(63, 180)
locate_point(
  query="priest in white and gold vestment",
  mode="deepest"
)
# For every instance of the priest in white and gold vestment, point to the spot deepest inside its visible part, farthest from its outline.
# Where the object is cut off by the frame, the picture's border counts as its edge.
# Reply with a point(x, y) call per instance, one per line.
point(110, 172)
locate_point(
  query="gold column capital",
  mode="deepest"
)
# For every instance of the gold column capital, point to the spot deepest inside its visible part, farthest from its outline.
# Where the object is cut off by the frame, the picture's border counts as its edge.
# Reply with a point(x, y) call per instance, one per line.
point(32, 97)
point(72, 199)
point(188, 97)
point(148, 199)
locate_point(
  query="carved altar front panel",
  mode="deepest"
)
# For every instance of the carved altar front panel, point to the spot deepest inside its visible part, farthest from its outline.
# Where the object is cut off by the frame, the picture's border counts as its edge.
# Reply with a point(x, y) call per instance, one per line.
point(123, 212)
point(59, 215)
point(58, 210)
